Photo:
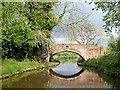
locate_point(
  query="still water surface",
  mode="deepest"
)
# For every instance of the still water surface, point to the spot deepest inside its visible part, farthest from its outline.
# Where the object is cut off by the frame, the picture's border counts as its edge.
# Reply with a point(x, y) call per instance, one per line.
point(58, 77)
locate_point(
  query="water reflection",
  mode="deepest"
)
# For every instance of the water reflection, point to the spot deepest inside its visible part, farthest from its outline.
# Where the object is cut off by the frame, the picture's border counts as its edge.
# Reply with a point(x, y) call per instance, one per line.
point(67, 69)
point(48, 79)
point(70, 75)
point(65, 76)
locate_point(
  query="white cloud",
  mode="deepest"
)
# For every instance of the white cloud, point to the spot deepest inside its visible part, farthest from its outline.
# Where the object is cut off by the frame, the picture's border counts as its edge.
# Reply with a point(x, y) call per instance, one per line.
point(64, 41)
point(59, 39)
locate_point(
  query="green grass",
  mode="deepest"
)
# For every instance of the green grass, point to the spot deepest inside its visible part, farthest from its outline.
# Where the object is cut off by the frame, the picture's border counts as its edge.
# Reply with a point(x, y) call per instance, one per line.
point(108, 64)
point(10, 66)
point(67, 57)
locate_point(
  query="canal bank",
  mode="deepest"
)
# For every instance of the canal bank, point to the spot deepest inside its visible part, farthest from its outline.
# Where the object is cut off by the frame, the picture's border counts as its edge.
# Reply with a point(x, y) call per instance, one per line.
point(107, 64)
point(46, 79)
point(13, 67)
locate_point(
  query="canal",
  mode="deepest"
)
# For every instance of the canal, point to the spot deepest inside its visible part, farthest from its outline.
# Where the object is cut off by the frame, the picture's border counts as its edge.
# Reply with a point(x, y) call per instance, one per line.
point(65, 75)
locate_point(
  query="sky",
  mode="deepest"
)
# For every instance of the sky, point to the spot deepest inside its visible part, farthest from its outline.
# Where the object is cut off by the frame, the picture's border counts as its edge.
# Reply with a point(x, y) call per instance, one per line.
point(96, 19)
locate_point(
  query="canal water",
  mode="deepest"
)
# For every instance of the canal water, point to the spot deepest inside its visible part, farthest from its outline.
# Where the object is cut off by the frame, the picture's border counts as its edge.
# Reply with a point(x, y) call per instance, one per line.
point(65, 75)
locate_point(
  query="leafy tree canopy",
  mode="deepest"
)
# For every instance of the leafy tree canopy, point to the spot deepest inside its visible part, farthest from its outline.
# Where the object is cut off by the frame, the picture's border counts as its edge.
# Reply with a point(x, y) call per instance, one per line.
point(112, 17)
point(21, 25)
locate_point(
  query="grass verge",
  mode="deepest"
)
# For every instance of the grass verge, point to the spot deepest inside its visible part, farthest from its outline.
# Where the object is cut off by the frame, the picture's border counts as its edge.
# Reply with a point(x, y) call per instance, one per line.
point(11, 66)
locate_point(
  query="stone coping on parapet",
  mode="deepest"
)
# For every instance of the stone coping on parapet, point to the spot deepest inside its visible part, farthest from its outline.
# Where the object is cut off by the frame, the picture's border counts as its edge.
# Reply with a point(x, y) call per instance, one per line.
point(78, 44)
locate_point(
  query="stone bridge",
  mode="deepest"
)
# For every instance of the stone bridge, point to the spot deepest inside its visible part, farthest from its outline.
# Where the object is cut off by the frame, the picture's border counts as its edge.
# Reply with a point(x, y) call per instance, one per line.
point(86, 52)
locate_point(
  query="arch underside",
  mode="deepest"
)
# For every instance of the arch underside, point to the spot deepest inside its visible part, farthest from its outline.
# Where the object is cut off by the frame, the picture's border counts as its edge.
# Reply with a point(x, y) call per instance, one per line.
point(67, 50)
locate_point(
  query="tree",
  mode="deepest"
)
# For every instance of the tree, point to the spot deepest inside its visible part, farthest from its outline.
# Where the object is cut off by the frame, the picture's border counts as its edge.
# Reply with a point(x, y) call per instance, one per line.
point(77, 27)
point(84, 33)
point(112, 17)
point(26, 28)
point(16, 32)
point(42, 21)
point(112, 43)
point(21, 24)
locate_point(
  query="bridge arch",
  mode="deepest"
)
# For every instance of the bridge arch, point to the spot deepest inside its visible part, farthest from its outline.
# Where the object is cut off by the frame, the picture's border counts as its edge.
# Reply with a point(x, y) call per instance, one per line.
point(66, 50)
point(86, 52)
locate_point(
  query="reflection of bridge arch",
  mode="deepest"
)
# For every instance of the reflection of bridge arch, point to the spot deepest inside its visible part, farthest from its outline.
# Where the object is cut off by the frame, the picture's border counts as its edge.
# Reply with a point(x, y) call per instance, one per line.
point(66, 50)
point(86, 78)
point(66, 76)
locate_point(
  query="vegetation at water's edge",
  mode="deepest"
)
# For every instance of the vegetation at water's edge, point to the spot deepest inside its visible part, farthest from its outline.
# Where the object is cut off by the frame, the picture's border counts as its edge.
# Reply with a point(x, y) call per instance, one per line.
point(11, 66)
point(63, 57)
point(109, 63)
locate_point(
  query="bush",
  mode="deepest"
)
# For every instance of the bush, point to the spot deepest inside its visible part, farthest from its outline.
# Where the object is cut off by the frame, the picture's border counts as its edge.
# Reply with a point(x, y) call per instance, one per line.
point(114, 43)
point(109, 64)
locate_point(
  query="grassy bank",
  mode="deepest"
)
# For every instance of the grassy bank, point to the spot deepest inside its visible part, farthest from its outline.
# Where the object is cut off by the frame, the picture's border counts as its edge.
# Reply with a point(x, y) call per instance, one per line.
point(11, 66)
point(67, 57)
point(23, 75)
point(108, 64)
